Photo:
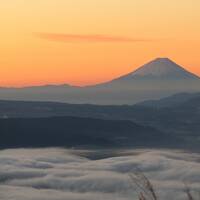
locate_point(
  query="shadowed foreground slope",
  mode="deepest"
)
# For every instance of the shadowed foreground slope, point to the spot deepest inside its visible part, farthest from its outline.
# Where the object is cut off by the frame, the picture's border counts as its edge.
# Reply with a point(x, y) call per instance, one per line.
point(75, 132)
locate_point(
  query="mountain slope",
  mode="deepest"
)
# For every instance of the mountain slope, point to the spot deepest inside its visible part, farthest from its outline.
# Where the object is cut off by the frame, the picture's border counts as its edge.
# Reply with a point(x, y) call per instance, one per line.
point(79, 132)
point(160, 68)
point(170, 101)
point(180, 119)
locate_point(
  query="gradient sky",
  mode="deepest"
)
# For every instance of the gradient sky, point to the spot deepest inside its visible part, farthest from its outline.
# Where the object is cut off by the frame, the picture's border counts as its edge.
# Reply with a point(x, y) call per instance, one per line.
point(83, 42)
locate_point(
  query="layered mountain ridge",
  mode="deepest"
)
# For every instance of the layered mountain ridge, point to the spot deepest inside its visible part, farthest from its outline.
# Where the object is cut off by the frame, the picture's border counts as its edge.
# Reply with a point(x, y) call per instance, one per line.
point(157, 79)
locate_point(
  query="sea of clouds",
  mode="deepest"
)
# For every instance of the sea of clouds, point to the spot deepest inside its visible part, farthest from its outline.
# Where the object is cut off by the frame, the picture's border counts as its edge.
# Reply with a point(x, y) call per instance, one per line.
point(60, 174)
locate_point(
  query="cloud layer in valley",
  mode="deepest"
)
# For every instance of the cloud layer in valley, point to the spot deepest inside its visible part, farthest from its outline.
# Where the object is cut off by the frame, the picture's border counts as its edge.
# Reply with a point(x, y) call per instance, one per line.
point(58, 174)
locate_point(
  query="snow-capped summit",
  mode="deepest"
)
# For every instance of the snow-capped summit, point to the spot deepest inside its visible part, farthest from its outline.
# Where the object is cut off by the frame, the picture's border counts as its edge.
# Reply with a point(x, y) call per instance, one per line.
point(161, 68)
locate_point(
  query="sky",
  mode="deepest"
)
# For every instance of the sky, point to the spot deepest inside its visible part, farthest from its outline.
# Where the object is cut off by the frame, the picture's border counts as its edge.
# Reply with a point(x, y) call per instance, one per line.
point(83, 42)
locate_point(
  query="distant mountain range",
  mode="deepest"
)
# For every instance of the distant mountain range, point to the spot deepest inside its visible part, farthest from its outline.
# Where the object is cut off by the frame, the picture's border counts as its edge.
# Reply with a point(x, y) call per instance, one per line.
point(172, 121)
point(158, 78)
point(176, 99)
point(177, 115)
point(38, 109)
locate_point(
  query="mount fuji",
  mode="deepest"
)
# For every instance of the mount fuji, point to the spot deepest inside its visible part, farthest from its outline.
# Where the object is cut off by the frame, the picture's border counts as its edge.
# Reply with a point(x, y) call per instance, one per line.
point(157, 79)
point(160, 68)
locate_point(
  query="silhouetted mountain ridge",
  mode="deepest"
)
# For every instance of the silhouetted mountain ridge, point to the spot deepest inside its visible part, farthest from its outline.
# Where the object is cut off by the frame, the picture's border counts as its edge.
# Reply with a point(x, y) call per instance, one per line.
point(178, 117)
point(79, 132)
point(173, 100)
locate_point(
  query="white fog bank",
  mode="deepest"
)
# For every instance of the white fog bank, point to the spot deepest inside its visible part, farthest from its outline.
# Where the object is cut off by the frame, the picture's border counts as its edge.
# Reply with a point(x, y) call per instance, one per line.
point(58, 174)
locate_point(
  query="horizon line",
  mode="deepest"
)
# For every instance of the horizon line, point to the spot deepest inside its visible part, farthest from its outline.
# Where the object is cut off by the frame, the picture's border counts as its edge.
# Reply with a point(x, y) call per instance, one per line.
point(88, 85)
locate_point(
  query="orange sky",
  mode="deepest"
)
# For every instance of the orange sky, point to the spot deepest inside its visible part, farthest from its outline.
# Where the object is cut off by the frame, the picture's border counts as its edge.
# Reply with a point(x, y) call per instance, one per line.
point(88, 41)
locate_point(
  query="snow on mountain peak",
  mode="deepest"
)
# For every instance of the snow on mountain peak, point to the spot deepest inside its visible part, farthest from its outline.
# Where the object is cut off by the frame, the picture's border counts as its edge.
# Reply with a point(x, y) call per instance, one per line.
point(161, 68)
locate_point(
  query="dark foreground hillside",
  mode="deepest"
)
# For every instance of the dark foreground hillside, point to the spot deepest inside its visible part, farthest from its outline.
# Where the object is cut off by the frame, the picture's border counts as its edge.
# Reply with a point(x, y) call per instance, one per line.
point(178, 114)
point(76, 132)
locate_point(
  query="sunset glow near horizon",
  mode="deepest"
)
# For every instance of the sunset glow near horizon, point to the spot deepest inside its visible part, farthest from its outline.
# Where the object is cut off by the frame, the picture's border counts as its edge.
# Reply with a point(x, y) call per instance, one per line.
point(82, 42)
